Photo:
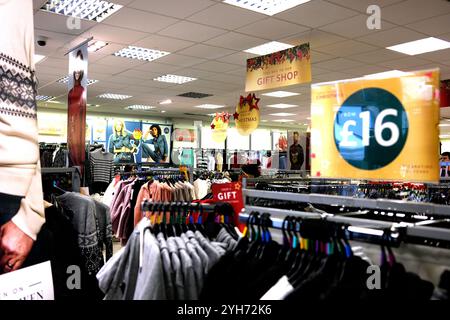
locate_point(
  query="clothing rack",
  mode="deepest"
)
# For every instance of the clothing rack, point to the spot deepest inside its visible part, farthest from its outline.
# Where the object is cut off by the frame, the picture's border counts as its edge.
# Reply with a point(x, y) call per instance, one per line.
point(422, 230)
point(73, 171)
point(150, 206)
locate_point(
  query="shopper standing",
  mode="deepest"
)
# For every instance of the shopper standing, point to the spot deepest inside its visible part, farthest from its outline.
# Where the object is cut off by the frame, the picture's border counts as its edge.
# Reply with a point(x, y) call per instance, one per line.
point(296, 155)
point(21, 198)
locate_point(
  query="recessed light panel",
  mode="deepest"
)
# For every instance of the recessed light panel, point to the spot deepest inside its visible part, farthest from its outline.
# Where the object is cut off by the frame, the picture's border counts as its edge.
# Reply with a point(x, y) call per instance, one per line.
point(38, 58)
point(281, 94)
point(139, 107)
point(43, 98)
point(284, 120)
point(66, 80)
point(114, 96)
point(282, 114)
point(141, 53)
point(209, 106)
point(268, 7)
point(173, 78)
point(167, 101)
point(94, 10)
point(413, 48)
point(269, 47)
point(282, 105)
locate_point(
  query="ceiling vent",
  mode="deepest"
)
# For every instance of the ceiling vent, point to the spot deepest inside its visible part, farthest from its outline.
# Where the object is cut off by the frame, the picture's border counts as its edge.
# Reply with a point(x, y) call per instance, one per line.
point(195, 95)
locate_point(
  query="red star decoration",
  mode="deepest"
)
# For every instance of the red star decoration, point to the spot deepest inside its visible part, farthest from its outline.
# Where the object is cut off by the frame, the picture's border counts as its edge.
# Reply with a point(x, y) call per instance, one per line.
point(213, 126)
point(236, 116)
point(254, 102)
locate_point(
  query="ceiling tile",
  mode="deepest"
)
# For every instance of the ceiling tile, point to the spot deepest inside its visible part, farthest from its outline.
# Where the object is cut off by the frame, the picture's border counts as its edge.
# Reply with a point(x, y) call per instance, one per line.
point(377, 56)
point(404, 63)
point(226, 16)
point(235, 41)
point(56, 22)
point(41, 69)
point(316, 13)
point(196, 73)
point(114, 34)
point(346, 48)
point(239, 58)
point(339, 64)
point(361, 5)
point(366, 70)
point(62, 63)
point(171, 8)
point(272, 29)
point(317, 70)
point(319, 56)
point(139, 20)
point(159, 68)
point(163, 43)
point(119, 62)
point(180, 60)
point(354, 27)
point(434, 26)
point(191, 31)
point(392, 37)
point(316, 38)
point(414, 10)
point(216, 66)
point(206, 52)
point(55, 41)
point(438, 56)
point(137, 74)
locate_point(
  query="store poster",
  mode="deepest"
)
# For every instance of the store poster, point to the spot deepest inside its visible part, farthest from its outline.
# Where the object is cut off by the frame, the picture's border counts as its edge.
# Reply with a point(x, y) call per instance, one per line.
point(231, 193)
point(297, 150)
point(279, 69)
point(76, 114)
point(247, 115)
point(31, 283)
point(184, 135)
point(383, 129)
point(156, 143)
point(99, 130)
point(124, 140)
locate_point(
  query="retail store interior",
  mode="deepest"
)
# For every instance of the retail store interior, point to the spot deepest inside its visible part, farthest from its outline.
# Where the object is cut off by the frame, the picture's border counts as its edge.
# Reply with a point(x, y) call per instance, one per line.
point(154, 162)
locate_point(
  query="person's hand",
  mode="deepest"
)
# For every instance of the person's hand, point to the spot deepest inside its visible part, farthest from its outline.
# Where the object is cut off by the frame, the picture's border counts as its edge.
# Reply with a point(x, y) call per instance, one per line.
point(164, 159)
point(15, 246)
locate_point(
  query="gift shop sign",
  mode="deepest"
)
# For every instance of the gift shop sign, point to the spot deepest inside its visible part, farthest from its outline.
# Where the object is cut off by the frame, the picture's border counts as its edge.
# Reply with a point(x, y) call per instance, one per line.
point(279, 69)
point(371, 128)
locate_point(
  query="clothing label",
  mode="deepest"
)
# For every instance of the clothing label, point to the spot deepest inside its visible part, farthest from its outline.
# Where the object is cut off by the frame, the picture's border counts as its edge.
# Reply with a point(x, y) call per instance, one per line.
point(32, 283)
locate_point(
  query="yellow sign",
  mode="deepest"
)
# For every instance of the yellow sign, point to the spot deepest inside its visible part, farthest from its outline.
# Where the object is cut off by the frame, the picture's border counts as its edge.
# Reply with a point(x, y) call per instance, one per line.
point(247, 115)
point(219, 127)
point(279, 69)
point(377, 128)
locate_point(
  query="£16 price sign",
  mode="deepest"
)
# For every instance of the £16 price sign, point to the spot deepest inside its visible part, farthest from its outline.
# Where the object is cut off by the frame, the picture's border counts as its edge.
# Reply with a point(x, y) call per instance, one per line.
point(373, 128)
point(370, 128)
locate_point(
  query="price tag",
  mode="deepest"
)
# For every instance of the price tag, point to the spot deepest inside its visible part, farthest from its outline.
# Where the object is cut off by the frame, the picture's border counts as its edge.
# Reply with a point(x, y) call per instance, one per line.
point(370, 128)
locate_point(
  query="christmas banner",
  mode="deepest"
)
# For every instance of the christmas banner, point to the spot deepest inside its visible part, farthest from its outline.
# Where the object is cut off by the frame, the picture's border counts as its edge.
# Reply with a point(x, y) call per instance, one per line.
point(279, 69)
point(377, 128)
point(219, 126)
point(247, 114)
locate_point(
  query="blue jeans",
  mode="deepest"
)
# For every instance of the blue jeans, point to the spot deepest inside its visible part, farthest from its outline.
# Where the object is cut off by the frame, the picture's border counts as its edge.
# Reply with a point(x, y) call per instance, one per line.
point(149, 153)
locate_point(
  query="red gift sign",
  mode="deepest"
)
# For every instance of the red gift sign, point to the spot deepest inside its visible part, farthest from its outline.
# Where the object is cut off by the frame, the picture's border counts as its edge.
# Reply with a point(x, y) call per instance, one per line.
point(231, 193)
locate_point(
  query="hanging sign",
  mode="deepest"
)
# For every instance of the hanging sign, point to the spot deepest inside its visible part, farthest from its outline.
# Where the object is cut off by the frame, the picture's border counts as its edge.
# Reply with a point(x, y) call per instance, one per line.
point(231, 193)
point(377, 128)
point(247, 114)
point(279, 69)
point(219, 127)
point(76, 114)
point(32, 283)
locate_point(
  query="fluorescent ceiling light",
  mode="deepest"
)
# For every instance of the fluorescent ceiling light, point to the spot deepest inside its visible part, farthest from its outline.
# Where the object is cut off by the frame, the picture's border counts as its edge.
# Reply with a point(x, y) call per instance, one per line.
point(209, 106)
point(444, 136)
point(97, 45)
point(282, 114)
point(282, 105)
point(66, 80)
point(308, 118)
point(264, 120)
point(284, 120)
point(139, 107)
point(94, 10)
point(444, 125)
point(163, 111)
point(280, 94)
point(114, 96)
point(173, 78)
point(38, 58)
point(268, 7)
point(413, 48)
point(211, 114)
point(167, 101)
point(269, 47)
point(386, 74)
point(141, 53)
point(43, 98)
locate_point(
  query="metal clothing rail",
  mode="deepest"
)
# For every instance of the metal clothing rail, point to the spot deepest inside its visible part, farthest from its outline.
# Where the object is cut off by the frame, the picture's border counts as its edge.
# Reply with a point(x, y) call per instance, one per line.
point(379, 204)
point(277, 216)
point(166, 206)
